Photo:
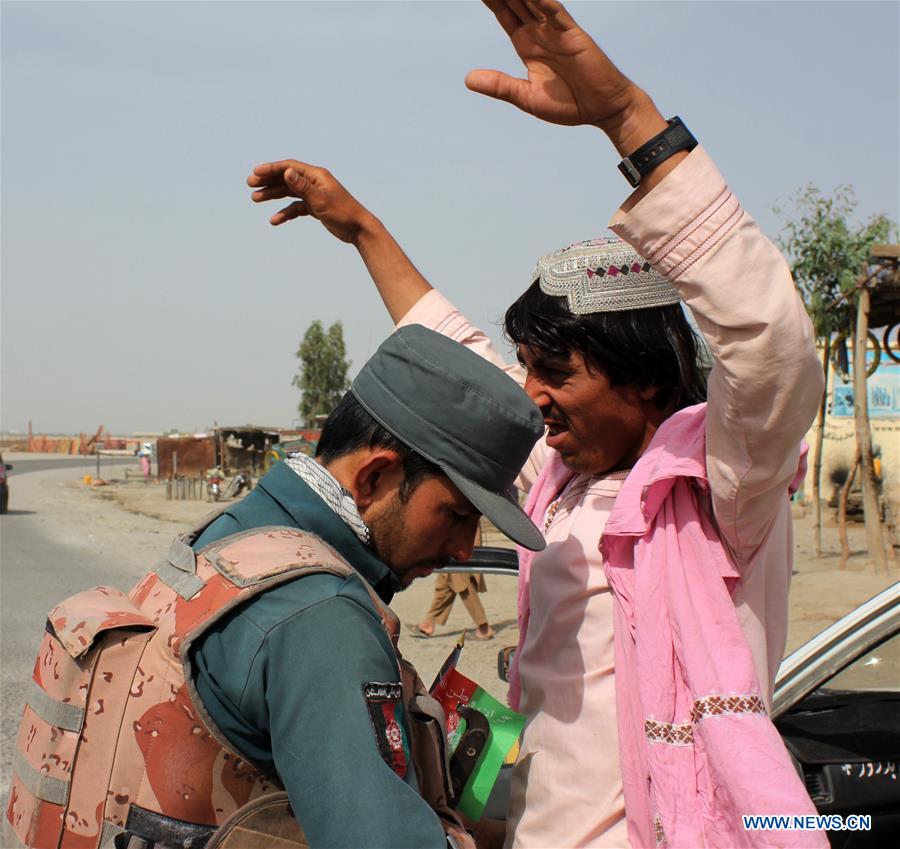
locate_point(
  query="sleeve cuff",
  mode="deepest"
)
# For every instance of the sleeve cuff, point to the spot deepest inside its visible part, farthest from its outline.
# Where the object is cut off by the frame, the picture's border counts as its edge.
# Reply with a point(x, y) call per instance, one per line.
point(430, 310)
point(436, 313)
point(683, 218)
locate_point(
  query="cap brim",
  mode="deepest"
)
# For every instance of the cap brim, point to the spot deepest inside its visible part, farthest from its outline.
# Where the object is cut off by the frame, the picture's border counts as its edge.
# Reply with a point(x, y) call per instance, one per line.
point(504, 511)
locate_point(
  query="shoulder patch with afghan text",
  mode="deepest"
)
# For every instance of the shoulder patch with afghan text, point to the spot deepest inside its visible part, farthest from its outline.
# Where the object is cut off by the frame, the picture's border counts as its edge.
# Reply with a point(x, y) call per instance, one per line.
point(385, 705)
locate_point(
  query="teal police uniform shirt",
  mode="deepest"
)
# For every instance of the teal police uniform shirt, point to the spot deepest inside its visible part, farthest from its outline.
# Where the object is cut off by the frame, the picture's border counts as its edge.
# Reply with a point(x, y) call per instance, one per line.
point(284, 678)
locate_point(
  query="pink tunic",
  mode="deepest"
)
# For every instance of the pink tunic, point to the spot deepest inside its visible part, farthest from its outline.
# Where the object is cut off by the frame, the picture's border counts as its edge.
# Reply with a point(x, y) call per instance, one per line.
point(763, 392)
point(566, 668)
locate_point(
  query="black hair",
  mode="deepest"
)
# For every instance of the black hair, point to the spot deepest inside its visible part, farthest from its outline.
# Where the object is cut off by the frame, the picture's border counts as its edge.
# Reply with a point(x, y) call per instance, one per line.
point(349, 427)
point(653, 347)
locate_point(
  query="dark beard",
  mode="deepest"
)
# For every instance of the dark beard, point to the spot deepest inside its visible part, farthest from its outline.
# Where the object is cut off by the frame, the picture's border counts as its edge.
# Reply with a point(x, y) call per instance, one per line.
point(387, 528)
point(384, 530)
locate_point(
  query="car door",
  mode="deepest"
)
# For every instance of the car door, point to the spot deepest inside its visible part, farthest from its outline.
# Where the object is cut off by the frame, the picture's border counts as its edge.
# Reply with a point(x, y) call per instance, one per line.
point(837, 707)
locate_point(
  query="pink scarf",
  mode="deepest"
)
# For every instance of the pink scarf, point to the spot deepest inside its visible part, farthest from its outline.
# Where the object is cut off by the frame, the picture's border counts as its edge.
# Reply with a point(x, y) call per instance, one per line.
point(697, 748)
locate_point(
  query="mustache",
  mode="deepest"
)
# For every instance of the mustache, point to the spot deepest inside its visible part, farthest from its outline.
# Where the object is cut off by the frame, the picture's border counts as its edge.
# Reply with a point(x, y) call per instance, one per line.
point(408, 575)
point(421, 565)
point(554, 415)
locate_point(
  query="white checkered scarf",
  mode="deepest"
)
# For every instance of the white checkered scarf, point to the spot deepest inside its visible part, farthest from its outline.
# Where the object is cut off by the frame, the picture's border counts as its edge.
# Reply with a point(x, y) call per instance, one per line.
point(327, 487)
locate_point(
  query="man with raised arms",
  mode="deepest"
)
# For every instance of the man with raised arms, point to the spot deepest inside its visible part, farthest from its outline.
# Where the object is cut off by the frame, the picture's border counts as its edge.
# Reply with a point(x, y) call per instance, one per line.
point(652, 625)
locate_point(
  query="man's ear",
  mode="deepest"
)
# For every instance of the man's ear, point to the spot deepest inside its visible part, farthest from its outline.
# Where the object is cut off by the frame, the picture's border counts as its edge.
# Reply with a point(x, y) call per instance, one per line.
point(647, 393)
point(379, 474)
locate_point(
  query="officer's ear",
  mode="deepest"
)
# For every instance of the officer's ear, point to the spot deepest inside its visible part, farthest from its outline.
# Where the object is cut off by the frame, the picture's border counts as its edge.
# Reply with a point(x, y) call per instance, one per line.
point(375, 477)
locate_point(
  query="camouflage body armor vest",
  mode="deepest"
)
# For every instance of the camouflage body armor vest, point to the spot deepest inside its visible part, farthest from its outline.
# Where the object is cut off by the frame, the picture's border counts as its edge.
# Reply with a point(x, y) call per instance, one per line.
point(114, 739)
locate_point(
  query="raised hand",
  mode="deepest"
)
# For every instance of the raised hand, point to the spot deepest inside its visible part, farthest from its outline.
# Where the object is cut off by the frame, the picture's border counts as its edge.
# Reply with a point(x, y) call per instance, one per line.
point(319, 195)
point(570, 79)
point(322, 197)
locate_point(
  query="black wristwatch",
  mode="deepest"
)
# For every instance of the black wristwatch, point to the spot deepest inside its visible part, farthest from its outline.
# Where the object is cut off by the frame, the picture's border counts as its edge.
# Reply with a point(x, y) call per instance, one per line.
point(674, 138)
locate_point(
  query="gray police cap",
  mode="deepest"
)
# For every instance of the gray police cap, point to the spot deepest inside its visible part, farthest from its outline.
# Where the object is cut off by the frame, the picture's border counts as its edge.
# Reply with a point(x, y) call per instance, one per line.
point(462, 413)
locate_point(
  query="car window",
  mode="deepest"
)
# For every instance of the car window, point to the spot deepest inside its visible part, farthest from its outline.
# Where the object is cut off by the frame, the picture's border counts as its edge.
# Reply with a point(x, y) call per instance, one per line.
point(877, 669)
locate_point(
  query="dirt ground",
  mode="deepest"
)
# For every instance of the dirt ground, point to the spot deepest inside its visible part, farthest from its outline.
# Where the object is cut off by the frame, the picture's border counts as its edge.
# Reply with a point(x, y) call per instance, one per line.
point(820, 594)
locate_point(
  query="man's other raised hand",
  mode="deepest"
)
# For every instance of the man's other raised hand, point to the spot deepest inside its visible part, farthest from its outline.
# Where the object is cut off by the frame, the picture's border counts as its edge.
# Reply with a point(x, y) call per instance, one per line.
point(318, 195)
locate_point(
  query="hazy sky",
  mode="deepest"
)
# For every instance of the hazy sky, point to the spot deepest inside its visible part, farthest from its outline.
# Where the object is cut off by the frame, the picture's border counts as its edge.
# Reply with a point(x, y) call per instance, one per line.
point(142, 290)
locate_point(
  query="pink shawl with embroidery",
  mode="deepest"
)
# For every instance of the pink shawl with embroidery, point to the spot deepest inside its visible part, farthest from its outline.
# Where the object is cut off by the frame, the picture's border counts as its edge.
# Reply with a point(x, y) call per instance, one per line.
point(697, 747)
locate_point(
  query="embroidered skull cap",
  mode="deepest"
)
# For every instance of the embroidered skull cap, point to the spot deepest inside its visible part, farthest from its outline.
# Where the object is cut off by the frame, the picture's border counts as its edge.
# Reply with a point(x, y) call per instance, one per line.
point(603, 275)
point(462, 413)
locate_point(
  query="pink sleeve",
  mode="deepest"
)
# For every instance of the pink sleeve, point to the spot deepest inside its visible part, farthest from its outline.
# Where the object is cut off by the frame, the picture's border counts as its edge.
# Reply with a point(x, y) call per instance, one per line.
point(766, 383)
point(434, 311)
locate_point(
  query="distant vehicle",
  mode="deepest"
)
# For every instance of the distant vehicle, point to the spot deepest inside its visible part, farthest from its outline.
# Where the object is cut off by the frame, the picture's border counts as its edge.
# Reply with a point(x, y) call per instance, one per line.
point(214, 479)
point(4, 485)
point(836, 706)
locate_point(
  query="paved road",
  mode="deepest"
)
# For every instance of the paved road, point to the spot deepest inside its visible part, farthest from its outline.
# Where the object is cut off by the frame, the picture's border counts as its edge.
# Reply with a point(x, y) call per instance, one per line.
point(23, 465)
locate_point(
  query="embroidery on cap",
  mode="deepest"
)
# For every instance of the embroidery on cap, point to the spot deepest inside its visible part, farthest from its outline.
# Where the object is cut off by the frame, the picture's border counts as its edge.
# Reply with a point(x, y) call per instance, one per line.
point(385, 705)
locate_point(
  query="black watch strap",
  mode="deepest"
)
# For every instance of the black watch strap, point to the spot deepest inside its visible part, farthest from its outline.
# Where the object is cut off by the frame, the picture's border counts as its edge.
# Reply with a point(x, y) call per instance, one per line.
point(670, 141)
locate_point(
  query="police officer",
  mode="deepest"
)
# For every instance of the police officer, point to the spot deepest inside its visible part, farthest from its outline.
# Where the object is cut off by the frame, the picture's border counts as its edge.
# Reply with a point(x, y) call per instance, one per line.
point(303, 680)
point(249, 684)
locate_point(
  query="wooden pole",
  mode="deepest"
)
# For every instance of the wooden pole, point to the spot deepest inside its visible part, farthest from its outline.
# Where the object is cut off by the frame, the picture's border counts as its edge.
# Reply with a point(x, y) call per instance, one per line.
point(842, 512)
point(874, 532)
point(820, 445)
